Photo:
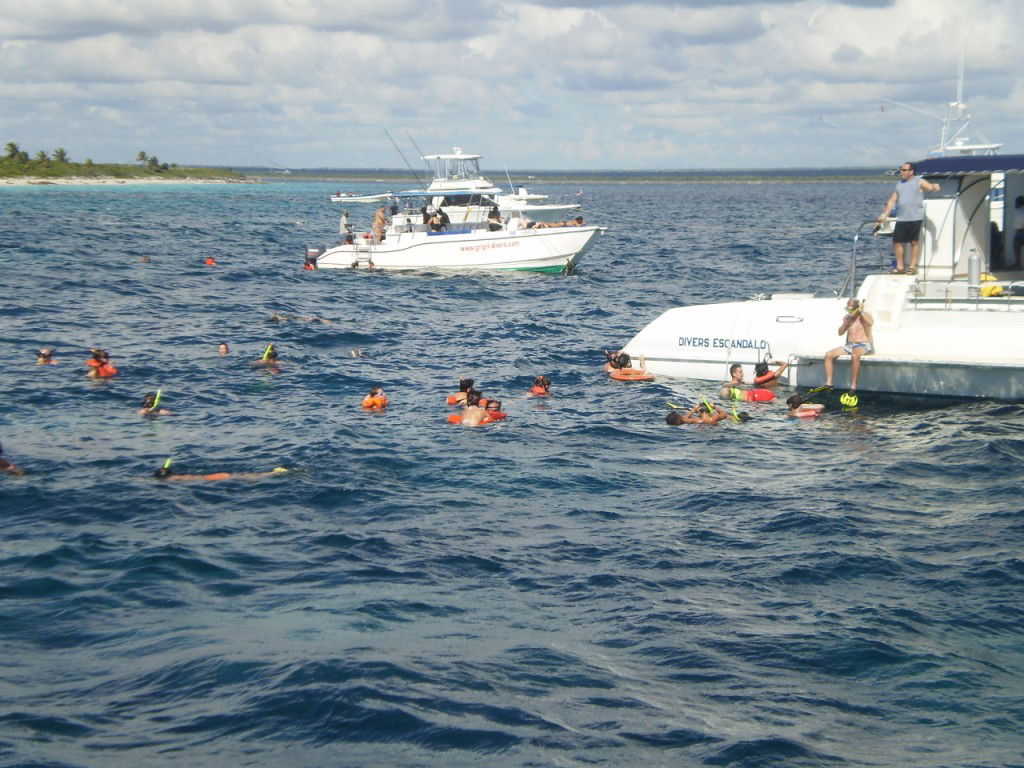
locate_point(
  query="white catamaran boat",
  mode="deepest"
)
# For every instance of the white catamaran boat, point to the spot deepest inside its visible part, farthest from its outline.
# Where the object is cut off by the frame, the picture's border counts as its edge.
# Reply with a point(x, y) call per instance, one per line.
point(945, 331)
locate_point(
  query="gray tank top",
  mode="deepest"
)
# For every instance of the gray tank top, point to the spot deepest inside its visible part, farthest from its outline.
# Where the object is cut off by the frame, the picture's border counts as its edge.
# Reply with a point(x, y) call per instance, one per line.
point(910, 200)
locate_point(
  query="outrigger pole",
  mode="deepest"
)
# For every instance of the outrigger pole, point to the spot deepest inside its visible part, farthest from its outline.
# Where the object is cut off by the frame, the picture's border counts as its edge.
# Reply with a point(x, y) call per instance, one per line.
point(414, 174)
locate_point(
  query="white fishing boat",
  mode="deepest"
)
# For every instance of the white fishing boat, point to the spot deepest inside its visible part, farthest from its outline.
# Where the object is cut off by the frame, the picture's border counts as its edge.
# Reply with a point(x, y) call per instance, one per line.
point(467, 196)
point(411, 243)
point(956, 328)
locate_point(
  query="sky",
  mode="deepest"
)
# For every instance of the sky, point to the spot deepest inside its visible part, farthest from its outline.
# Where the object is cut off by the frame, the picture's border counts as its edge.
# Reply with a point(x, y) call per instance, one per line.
point(545, 85)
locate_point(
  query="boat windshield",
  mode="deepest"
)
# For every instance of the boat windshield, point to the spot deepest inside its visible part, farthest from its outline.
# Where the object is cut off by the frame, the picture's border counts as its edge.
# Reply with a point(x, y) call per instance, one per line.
point(454, 167)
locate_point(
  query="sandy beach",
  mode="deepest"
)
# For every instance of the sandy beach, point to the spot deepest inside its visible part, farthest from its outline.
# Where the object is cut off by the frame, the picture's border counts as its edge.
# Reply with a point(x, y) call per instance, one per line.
point(25, 181)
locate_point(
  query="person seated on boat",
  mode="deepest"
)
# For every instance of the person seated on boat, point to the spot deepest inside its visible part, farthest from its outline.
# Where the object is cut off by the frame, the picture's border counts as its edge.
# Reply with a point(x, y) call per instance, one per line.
point(45, 357)
point(166, 473)
point(735, 380)
point(857, 327)
point(459, 398)
point(702, 413)
point(376, 400)
point(494, 222)
point(436, 223)
point(100, 366)
point(541, 387)
point(445, 221)
point(150, 406)
point(616, 361)
point(800, 409)
point(6, 466)
point(766, 378)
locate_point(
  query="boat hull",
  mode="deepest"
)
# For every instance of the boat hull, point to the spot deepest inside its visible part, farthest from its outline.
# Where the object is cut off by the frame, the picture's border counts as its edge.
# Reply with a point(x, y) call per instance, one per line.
point(538, 250)
point(966, 349)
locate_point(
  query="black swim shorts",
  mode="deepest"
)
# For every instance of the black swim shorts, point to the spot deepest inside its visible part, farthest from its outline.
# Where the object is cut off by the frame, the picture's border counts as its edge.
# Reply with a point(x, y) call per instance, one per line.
point(907, 231)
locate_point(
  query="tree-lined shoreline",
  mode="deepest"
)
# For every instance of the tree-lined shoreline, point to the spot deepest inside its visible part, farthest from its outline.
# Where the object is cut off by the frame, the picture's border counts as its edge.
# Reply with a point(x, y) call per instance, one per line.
point(18, 164)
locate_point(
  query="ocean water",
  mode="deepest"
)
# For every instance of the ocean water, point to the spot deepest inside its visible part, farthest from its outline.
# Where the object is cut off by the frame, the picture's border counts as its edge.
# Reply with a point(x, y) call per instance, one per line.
point(580, 585)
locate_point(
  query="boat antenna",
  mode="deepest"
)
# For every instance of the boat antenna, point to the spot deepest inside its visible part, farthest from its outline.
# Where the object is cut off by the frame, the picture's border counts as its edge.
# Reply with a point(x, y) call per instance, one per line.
point(511, 187)
point(414, 174)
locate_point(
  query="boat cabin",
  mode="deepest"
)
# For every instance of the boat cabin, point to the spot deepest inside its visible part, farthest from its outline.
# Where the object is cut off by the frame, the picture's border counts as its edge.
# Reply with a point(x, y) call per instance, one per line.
point(968, 230)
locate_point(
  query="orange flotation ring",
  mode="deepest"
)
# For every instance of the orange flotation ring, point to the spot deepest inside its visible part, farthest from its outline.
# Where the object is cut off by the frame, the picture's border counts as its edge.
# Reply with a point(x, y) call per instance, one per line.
point(106, 370)
point(759, 395)
point(375, 402)
point(631, 374)
point(539, 391)
point(457, 399)
point(454, 418)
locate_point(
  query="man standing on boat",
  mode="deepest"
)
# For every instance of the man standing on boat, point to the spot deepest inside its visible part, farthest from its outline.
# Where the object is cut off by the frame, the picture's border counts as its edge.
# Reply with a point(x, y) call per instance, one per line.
point(380, 223)
point(857, 327)
point(909, 198)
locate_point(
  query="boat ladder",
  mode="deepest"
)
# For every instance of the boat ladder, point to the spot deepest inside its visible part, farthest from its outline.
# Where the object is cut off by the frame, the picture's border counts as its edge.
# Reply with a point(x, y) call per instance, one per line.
point(363, 256)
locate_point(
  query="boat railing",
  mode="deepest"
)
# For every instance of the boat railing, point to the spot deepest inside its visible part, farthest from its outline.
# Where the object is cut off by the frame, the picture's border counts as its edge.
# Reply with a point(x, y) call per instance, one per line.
point(849, 286)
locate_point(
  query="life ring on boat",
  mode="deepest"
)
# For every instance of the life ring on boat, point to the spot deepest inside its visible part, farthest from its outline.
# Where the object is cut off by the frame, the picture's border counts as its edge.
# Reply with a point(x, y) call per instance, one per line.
point(752, 395)
point(631, 374)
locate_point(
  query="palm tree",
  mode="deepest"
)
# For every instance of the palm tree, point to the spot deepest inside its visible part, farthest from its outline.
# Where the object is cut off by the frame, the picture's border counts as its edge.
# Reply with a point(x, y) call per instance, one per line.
point(13, 150)
point(60, 155)
point(141, 157)
point(41, 156)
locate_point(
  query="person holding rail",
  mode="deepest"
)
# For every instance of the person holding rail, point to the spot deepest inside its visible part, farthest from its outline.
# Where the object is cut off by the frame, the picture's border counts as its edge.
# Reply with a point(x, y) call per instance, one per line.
point(908, 198)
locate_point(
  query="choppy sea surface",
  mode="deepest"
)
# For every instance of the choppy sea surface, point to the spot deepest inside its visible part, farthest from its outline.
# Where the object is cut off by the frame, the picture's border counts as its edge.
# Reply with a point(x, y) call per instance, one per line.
point(580, 585)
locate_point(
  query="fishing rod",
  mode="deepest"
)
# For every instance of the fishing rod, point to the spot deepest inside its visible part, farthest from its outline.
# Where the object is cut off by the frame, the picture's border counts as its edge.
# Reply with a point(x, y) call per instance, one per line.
point(414, 174)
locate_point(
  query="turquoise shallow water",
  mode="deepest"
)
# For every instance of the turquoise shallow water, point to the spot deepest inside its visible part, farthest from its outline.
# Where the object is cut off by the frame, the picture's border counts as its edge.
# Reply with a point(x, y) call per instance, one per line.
point(579, 585)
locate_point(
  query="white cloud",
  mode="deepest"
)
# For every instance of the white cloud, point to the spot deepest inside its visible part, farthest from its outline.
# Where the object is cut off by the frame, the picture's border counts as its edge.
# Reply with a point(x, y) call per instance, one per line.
point(543, 84)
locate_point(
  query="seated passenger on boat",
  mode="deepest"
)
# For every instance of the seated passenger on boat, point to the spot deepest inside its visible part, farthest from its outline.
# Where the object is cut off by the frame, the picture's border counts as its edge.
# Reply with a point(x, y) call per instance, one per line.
point(494, 222)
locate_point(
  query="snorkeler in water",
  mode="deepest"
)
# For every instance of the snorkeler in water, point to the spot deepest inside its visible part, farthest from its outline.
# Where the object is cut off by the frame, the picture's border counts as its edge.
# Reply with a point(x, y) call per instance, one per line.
point(6, 466)
point(376, 400)
point(45, 357)
point(541, 387)
point(459, 398)
point(166, 473)
point(151, 405)
point(100, 366)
